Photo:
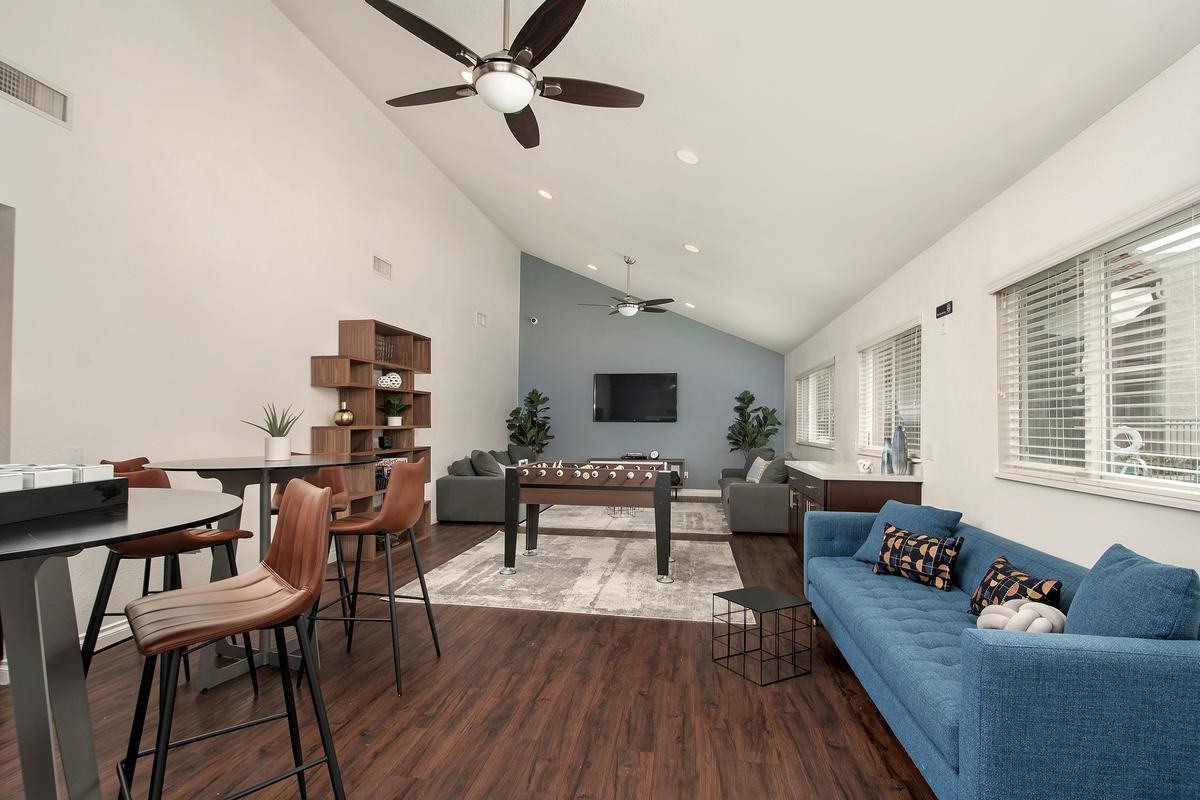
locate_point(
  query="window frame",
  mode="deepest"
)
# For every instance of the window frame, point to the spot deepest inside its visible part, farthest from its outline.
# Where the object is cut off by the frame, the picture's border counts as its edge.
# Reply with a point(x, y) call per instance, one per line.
point(831, 366)
point(866, 406)
point(1099, 397)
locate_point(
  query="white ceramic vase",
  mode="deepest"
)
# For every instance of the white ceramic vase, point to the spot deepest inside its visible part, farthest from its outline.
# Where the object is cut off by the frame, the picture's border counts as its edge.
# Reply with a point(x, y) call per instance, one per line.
point(395, 422)
point(277, 448)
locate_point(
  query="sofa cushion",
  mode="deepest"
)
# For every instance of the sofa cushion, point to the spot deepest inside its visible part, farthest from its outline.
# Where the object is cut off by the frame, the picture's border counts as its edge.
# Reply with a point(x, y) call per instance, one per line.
point(926, 560)
point(461, 468)
point(981, 549)
point(502, 457)
point(918, 519)
point(725, 482)
point(1129, 595)
point(486, 464)
point(765, 453)
point(776, 471)
point(910, 634)
point(517, 452)
point(755, 473)
point(1004, 582)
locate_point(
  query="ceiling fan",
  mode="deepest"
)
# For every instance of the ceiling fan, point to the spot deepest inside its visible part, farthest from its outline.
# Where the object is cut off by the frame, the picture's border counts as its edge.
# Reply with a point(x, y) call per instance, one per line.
point(505, 79)
point(626, 306)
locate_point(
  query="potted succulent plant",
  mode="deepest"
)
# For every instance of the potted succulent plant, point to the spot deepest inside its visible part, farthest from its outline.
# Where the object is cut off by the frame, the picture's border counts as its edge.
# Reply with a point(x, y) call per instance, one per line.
point(393, 406)
point(276, 425)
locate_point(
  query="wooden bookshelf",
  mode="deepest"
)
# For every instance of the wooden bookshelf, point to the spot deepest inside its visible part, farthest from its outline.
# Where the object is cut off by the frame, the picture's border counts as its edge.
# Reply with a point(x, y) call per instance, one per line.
point(367, 349)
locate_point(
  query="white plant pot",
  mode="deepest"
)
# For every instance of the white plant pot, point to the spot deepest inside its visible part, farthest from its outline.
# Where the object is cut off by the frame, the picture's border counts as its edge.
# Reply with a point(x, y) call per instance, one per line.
point(277, 448)
point(395, 422)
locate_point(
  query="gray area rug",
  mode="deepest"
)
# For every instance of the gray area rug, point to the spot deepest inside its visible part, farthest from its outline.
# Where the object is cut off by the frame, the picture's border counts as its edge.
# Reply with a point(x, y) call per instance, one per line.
point(703, 518)
point(587, 575)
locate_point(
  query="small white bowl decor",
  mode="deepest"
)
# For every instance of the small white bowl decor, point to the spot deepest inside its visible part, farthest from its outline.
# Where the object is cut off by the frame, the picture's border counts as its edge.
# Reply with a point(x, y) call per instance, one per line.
point(276, 425)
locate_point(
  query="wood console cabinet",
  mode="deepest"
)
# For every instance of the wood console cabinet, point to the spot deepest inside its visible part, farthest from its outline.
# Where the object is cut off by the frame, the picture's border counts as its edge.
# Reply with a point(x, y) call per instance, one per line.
point(817, 486)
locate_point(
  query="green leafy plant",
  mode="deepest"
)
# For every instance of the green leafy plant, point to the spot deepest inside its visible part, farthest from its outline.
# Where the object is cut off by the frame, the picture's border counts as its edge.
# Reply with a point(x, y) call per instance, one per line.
point(394, 405)
point(529, 423)
point(276, 423)
point(753, 426)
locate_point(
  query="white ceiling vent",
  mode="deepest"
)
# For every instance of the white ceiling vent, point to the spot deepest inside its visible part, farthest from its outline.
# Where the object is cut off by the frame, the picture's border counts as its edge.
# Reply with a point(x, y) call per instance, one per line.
point(18, 85)
point(382, 268)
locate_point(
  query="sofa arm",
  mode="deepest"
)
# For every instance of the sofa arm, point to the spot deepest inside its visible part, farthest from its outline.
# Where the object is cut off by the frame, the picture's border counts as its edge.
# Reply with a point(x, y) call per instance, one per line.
point(470, 498)
point(733, 472)
point(1067, 716)
point(834, 533)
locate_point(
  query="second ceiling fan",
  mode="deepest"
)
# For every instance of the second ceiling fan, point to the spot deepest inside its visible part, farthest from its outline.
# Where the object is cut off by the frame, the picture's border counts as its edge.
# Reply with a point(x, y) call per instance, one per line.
point(626, 306)
point(505, 79)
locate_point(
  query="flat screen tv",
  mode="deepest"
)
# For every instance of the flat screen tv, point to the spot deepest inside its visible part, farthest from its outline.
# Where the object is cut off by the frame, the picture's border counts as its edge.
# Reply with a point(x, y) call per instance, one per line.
point(635, 397)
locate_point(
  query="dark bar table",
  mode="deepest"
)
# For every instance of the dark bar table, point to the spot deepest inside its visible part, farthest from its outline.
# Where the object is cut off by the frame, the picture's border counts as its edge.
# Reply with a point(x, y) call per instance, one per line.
point(48, 692)
point(225, 662)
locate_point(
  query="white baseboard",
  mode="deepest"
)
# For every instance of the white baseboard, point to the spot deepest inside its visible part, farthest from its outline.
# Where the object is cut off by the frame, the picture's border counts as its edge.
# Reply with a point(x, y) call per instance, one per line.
point(700, 492)
point(109, 634)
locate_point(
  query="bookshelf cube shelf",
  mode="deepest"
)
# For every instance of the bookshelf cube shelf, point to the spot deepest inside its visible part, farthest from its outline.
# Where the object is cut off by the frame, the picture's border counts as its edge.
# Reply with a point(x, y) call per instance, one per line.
point(368, 349)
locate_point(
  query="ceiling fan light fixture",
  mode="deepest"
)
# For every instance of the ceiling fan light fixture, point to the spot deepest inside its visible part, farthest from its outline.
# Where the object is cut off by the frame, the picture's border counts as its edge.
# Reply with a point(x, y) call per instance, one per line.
point(504, 86)
point(627, 309)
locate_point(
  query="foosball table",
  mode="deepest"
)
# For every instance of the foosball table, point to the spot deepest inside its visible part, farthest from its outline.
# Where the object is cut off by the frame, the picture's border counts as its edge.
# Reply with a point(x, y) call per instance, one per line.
point(641, 485)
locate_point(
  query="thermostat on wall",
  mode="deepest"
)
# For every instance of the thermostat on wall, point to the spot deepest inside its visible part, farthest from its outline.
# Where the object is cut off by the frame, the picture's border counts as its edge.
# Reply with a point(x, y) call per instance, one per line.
point(945, 309)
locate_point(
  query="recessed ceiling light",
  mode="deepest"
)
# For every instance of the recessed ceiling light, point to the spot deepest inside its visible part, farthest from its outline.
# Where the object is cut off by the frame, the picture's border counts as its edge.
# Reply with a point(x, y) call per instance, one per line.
point(593, 266)
point(689, 305)
point(467, 75)
point(687, 157)
point(691, 248)
point(545, 194)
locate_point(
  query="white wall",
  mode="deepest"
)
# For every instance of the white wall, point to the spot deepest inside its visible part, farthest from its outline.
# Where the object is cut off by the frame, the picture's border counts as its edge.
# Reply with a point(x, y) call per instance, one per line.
point(185, 247)
point(1143, 152)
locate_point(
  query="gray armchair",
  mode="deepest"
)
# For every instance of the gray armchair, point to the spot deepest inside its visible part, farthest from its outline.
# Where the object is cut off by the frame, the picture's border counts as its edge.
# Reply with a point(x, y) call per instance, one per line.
point(471, 498)
point(756, 507)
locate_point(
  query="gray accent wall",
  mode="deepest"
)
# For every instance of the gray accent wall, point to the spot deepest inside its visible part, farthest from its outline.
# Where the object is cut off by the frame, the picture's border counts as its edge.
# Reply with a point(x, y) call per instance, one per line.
point(569, 344)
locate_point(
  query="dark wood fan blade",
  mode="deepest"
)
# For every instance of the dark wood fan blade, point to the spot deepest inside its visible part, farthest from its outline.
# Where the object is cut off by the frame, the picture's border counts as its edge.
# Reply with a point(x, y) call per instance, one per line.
point(654, 310)
point(523, 125)
point(662, 301)
point(432, 96)
point(426, 32)
point(590, 93)
point(612, 312)
point(545, 28)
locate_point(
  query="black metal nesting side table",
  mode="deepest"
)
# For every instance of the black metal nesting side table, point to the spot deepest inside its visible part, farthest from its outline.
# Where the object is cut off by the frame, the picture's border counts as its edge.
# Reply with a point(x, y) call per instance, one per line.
point(762, 634)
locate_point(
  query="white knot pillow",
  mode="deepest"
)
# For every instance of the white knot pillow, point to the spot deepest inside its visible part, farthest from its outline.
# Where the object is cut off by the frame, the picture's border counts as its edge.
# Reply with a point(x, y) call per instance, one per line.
point(1022, 615)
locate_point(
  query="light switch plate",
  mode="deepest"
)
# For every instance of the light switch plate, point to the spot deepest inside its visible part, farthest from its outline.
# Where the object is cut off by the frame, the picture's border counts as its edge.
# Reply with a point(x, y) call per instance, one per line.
point(481, 319)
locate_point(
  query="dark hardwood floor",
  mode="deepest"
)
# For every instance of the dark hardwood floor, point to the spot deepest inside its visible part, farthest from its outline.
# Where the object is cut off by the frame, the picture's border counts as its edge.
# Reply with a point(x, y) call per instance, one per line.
point(528, 704)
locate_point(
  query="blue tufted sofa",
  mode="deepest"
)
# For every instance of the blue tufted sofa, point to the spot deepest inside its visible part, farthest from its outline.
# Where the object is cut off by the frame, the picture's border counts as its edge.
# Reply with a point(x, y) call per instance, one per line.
point(988, 714)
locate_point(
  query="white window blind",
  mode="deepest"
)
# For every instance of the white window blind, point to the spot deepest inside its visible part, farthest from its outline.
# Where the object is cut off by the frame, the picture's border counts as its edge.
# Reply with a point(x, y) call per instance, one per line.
point(814, 407)
point(1099, 364)
point(889, 389)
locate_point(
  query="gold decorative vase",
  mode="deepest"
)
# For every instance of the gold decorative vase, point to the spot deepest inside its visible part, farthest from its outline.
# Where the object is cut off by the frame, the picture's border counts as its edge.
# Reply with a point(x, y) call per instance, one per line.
point(343, 416)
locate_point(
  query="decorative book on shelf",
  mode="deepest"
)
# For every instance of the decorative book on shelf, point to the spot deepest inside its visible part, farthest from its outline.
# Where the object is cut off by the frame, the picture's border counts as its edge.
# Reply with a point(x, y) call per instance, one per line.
point(374, 362)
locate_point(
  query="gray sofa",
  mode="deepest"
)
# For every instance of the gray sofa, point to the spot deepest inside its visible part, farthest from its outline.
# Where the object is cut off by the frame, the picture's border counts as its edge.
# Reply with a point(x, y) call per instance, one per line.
point(465, 495)
point(756, 507)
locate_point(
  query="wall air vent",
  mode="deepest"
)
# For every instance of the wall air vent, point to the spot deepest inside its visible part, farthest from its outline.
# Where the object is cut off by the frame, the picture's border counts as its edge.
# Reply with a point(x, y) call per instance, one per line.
point(382, 268)
point(28, 91)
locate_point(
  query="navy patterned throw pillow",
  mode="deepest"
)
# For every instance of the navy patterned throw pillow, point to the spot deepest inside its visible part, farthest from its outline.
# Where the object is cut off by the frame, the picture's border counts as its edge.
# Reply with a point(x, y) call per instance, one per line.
point(1004, 582)
point(918, 557)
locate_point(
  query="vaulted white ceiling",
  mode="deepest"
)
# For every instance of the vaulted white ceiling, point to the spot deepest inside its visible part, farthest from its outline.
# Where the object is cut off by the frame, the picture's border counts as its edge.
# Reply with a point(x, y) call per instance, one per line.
point(837, 139)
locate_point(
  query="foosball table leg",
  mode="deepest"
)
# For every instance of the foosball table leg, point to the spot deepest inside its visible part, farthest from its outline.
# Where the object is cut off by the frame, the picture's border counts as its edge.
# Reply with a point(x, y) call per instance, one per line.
point(662, 529)
point(512, 504)
point(531, 528)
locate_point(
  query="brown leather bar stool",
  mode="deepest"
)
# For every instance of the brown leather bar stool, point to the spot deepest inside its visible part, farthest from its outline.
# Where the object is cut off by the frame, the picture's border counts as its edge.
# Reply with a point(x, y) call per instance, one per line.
point(335, 479)
point(273, 595)
point(167, 546)
point(401, 509)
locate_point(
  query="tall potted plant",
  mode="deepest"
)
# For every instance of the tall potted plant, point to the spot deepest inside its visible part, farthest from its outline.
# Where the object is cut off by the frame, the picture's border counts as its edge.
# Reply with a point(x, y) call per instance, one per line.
point(753, 426)
point(277, 425)
point(529, 423)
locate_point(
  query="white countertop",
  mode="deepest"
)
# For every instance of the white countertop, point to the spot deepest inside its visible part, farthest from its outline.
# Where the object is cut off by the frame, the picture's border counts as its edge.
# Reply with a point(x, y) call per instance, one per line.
point(828, 471)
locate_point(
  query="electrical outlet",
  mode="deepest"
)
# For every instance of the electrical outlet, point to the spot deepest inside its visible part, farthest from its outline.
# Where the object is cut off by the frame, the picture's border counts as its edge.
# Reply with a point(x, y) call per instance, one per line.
point(685, 474)
point(481, 319)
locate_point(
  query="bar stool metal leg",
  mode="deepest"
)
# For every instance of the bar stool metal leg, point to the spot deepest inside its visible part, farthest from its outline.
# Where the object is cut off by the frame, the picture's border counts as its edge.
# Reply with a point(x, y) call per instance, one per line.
point(343, 583)
point(165, 714)
point(391, 587)
point(318, 701)
point(139, 720)
point(289, 701)
point(354, 593)
point(98, 609)
point(176, 582)
point(412, 539)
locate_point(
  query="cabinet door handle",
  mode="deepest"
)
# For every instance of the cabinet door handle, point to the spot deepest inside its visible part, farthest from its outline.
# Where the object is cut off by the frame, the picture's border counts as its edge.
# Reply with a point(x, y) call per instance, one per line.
point(810, 488)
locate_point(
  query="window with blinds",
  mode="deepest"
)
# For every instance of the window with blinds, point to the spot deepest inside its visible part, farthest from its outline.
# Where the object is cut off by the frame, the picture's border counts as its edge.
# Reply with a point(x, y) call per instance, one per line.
point(889, 390)
point(1099, 364)
point(814, 407)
